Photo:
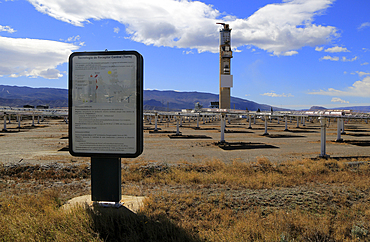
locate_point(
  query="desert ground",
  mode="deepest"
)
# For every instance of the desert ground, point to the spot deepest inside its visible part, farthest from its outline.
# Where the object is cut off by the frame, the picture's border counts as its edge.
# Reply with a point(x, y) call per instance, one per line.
point(210, 192)
point(47, 142)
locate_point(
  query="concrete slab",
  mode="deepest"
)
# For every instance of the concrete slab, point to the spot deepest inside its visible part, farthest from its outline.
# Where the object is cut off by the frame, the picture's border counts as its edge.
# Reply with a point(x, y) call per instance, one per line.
point(133, 203)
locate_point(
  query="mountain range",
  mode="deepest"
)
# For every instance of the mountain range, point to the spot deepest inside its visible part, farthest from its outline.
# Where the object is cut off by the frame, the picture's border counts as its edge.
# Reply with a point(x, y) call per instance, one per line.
point(362, 109)
point(15, 96)
point(173, 100)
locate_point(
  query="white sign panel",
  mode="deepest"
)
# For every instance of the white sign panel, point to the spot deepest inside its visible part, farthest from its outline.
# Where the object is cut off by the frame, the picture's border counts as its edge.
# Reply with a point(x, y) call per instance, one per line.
point(226, 80)
point(105, 96)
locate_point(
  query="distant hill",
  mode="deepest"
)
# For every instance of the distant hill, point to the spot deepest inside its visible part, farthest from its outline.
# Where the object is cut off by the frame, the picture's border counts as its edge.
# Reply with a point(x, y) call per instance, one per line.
point(315, 108)
point(173, 100)
point(363, 109)
point(15, 96)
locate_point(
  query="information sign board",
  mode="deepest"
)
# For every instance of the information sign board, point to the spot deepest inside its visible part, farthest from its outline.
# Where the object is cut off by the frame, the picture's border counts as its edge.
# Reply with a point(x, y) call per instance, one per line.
point(106, 104)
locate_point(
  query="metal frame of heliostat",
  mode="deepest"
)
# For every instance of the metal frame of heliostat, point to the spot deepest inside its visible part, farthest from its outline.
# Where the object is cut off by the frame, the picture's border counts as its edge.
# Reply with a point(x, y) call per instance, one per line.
point(105, 113)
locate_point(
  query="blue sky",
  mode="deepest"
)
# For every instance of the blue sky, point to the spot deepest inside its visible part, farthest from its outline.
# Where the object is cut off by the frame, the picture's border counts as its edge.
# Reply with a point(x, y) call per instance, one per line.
point(287, 53)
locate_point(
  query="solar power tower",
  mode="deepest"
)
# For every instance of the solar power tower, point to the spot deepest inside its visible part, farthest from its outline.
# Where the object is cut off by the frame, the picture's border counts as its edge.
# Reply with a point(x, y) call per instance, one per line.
point(226, 80)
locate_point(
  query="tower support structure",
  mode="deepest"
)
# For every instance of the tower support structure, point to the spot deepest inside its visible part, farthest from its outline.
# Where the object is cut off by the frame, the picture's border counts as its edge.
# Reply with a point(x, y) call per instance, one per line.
point(226, 79)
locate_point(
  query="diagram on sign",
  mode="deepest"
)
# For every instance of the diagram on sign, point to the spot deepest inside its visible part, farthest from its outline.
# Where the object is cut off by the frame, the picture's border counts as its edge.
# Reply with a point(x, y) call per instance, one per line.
point(113, 85)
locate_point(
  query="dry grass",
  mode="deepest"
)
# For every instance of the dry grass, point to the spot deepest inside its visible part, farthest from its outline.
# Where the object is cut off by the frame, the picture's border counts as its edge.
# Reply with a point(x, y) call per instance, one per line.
point(260, 175)
point(39, 172)
point(303, 200)
point(38, 218)
point(222, 219)
point(288, 208)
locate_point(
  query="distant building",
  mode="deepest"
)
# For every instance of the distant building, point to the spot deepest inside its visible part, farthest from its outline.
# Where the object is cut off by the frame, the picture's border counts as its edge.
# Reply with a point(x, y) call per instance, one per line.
point(42, 106)
point(214, 105)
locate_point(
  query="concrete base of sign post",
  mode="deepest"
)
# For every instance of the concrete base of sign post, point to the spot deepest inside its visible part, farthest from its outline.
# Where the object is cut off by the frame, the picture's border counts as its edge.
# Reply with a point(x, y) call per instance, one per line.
point(133, 203)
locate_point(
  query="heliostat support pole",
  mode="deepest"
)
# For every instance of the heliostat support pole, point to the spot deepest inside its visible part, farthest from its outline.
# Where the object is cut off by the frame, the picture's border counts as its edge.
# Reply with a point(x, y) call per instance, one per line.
point(286, 123)
point(178, 125)
point(297, 122)
point(323, 137)
point(339, 138)
point(265, 134)
point(156, 122)
point(4, 129)
point(222, 140)
point(19, 120)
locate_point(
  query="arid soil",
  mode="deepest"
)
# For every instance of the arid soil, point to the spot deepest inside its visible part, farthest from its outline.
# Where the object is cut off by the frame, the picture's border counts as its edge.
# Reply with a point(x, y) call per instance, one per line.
point(47, 142)
point(44, 149)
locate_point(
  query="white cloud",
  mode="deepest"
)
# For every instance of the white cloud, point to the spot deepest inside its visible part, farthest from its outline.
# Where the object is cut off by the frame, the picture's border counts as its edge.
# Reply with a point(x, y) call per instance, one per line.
point(334, 58)
point(365, 63)
point(273, 94)
point(338, 100)
point(358, 89)
point(364, 25)
point(6, 29)
point(74, 38)
point(188, 52)
point(350, 60)
point(362, 73)
point(276, 28)
point(336, 49)
point(319, 48)
point(116, 30)
point(279, 28)
point(33, 57)
point(290, 53)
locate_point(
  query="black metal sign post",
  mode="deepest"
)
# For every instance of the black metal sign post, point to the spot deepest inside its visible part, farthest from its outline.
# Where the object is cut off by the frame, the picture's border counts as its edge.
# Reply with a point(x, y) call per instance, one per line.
point(106, 179)
point(106, 113)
